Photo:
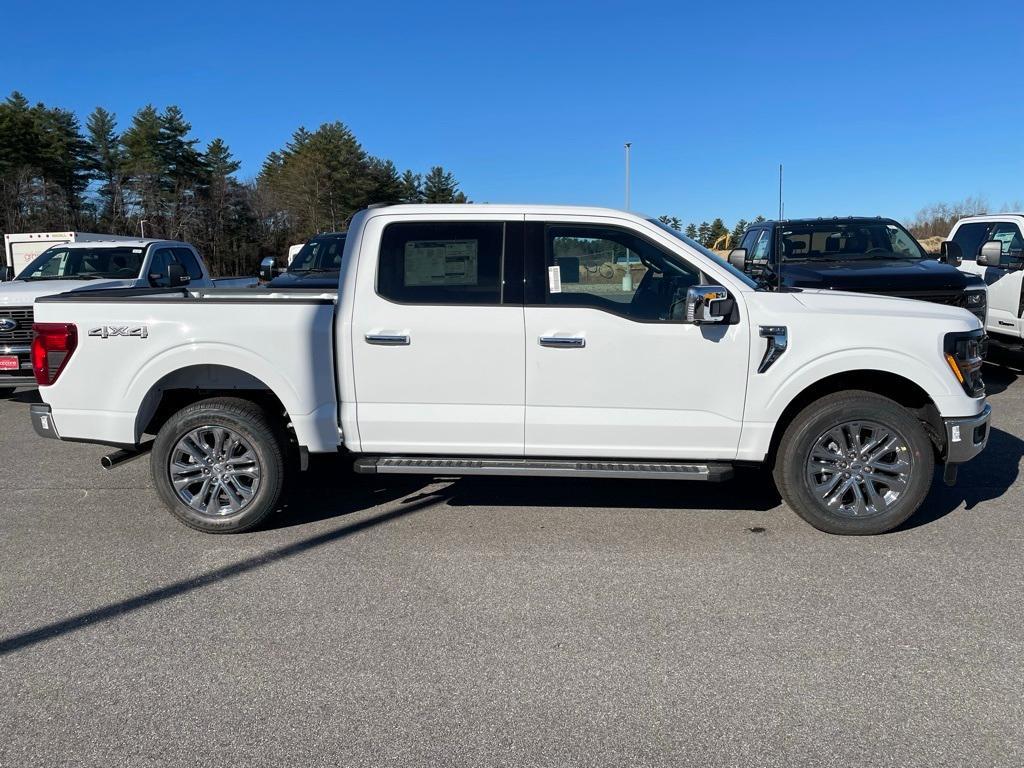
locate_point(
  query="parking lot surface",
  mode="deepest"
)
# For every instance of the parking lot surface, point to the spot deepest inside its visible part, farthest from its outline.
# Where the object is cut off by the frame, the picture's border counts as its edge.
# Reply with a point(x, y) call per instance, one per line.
point(506, 622)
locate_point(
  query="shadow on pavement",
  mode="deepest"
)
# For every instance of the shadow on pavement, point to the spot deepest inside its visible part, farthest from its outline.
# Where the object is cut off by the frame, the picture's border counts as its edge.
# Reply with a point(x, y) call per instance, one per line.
point(114, 610)
point(987, 477)
point(1000, 372)
point(23, 396)
point(749, 489)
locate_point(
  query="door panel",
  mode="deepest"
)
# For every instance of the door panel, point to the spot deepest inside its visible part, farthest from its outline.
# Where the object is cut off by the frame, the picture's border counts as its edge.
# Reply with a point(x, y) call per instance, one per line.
point(433, 376)
point(1004, 285)
point(636, 382)
point(640, 390)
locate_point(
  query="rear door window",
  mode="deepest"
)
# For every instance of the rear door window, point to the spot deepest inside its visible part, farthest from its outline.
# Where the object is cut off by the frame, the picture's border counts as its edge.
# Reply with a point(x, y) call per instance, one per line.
point(1009, 237)
point(442, 262)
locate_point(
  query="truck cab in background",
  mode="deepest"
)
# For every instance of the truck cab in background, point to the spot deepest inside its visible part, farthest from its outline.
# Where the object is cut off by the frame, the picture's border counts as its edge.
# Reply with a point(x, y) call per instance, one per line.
point(315, 265)
point(992, 248)
point(858, 254)
point(21, 248)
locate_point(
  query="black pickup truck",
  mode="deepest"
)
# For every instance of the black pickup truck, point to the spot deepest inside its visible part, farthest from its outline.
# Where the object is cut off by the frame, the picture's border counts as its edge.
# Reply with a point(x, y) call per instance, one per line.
point(317, 265)
point(859, 254)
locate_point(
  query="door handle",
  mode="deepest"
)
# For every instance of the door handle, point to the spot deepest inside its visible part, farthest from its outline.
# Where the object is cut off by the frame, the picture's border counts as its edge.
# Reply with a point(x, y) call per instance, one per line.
point(562, 342)
point(388, 339)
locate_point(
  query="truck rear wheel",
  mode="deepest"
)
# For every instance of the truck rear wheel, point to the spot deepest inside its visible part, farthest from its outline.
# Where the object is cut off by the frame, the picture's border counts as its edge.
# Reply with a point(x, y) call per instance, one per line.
point(854, 463)
point(218, 465)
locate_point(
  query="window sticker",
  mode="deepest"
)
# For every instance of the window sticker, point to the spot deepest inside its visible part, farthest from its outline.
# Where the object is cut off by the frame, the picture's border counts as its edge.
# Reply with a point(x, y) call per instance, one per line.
point(1004, 237)
point(441, 262)
point(555, 279)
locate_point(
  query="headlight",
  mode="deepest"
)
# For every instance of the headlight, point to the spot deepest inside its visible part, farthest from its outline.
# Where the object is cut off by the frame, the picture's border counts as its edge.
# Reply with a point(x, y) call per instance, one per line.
point(964, 353)
point(975, 299)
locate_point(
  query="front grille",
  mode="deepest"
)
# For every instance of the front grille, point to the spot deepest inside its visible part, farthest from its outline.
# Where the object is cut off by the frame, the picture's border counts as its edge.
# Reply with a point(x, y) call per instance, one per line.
point(949, 298)
point(23, 333)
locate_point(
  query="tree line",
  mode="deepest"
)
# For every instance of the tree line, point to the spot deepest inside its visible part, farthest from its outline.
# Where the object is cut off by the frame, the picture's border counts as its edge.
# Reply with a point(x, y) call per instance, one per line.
point(715, 234)
point(154, 177)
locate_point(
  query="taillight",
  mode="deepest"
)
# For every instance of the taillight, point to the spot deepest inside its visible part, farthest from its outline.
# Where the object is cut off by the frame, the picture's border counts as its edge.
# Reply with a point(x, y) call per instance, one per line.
point(51, 349)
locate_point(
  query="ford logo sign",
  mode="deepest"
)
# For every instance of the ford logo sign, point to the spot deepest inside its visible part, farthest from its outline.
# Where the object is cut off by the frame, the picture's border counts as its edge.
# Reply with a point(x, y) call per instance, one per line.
point(6, 324)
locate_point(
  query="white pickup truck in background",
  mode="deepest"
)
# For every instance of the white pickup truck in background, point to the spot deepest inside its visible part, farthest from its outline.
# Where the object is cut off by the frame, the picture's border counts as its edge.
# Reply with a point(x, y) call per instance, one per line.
point(22, 248)
point(90, 264)
point(992, 246)
point(503, 340)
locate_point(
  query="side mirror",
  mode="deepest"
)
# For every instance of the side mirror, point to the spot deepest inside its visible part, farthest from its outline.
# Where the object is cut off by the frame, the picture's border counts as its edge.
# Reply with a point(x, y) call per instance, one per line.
point(951, 253)
point(991, 254)
point(267, 269)
point(708, 304)
point(177, 277)
point(738, 258)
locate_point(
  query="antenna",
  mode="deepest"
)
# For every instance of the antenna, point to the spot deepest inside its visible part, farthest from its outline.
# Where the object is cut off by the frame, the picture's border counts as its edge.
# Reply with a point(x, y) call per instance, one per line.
point(780, 250)
point(628, 145)
point(782, 206)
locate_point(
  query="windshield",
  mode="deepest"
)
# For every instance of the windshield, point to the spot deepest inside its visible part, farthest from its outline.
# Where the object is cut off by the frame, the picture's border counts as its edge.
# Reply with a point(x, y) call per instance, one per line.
point(745, 279)
point(64, 263)
point(840, 241)
point(321, 254)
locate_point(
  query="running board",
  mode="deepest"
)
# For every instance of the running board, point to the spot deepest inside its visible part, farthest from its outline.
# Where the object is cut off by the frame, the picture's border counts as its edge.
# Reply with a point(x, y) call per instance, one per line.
point(640, 470)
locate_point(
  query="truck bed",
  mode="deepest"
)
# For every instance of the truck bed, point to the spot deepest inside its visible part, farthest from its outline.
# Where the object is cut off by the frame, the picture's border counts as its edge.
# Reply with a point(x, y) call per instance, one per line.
point(135, 344)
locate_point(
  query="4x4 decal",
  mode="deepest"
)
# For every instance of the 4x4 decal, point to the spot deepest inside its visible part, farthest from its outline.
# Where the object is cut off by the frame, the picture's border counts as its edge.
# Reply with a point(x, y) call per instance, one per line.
point(106, 331)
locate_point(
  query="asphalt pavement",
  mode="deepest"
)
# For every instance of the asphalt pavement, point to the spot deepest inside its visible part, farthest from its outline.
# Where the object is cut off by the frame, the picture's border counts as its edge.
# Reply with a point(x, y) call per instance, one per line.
point(506, 621)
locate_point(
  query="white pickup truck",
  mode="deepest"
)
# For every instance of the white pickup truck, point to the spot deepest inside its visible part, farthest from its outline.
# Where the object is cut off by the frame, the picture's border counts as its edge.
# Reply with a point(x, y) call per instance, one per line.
point(507, 340)
point(992, 246)
point(90, 264)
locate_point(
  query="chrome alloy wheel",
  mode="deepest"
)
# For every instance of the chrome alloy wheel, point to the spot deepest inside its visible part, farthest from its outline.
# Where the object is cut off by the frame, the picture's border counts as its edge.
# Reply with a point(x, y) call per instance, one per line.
point(859, 468)
point(214, 470)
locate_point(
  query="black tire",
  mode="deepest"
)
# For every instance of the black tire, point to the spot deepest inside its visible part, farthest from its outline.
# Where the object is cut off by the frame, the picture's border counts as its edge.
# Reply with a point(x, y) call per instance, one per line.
point(6, 391)
point(248, 423)
point(795, 476)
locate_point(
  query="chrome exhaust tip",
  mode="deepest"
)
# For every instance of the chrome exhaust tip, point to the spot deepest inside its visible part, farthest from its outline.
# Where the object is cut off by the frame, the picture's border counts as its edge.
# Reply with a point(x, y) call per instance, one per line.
point(124, 455)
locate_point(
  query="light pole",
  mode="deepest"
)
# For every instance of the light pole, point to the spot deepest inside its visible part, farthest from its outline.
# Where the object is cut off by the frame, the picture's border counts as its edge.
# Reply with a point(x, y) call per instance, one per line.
point(628, 145)
point(142, 228)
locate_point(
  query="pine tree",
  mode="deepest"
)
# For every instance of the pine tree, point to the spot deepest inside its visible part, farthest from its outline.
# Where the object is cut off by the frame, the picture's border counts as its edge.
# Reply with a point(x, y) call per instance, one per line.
point(61, 164)
point(412, 188)
point(144, 165)
point(19, 151)
point(717, 233)
point(440, 186)
point(691, 231)
point(738, 232)
point(704, 234)
point(104, 160)
point(385, 183)
point(671, 221)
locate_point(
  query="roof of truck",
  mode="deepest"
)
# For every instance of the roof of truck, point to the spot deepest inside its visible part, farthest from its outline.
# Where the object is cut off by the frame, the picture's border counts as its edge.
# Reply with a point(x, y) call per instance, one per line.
point(825, 220)
point(131, 243)
point(989, 216)
point(577, 210)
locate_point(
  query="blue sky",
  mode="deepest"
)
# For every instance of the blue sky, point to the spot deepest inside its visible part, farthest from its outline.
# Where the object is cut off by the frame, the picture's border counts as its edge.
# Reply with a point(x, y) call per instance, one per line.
point(875, 108)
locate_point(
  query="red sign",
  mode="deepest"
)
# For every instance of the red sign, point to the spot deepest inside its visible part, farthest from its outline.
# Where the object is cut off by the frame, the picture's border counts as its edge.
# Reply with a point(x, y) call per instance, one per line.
point(9, 364)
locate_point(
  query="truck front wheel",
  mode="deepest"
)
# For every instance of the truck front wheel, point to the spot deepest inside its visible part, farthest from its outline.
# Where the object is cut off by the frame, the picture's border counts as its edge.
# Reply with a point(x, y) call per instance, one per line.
point(218, 465)
point(854, 463)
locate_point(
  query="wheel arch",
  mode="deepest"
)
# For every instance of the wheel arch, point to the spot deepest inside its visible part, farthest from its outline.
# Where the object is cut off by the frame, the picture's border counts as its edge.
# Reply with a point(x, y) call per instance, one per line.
point(900, 389)
point(188, 384)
